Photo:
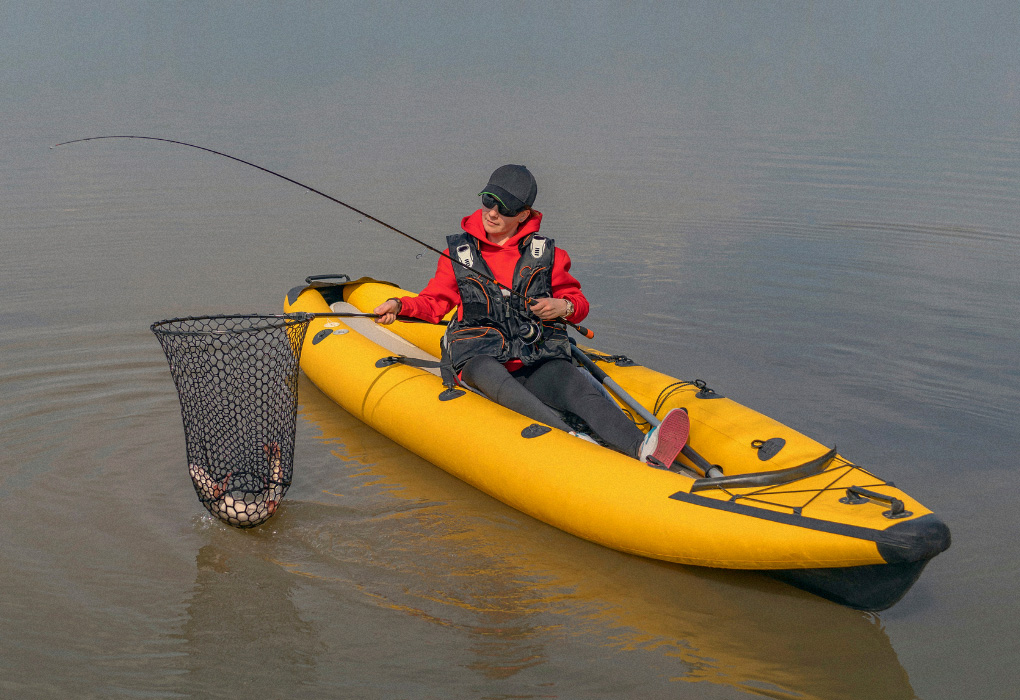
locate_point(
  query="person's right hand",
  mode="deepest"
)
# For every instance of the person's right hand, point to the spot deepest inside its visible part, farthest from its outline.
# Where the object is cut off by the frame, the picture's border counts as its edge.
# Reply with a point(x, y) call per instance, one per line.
point(387, 311)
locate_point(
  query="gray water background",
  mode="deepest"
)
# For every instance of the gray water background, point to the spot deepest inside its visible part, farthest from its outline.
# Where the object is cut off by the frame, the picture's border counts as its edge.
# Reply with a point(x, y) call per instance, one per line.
point(812, 206)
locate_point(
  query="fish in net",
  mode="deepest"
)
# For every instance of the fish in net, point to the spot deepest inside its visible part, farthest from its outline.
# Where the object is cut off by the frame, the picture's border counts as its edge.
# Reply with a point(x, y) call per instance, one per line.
point(236, 377)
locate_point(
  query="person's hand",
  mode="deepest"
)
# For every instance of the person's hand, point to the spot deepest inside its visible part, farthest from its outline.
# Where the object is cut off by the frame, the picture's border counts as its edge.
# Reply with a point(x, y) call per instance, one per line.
point(548, 308)
point(387, 311)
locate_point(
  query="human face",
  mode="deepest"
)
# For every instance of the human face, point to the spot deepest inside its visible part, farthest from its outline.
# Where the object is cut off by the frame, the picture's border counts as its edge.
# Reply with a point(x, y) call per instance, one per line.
point(499, 228)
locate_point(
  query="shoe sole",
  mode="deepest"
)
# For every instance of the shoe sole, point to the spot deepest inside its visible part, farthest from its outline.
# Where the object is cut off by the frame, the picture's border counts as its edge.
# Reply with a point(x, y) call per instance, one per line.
point(673, 433)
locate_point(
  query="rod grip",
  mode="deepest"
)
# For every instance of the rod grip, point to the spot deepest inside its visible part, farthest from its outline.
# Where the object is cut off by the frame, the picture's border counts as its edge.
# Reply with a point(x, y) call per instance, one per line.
point(587, 333)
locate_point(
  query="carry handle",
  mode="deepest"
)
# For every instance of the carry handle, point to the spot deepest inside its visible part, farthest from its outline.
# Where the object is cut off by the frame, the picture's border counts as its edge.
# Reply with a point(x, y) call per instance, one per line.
point(856, 495)
point(314, 278)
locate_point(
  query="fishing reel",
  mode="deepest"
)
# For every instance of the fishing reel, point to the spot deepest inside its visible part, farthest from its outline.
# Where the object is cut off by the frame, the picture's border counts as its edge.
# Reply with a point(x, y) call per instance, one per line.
point(530, 332)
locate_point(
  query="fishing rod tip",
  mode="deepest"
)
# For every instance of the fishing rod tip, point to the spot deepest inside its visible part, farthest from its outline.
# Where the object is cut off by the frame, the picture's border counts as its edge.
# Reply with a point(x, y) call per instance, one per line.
point(65, 143)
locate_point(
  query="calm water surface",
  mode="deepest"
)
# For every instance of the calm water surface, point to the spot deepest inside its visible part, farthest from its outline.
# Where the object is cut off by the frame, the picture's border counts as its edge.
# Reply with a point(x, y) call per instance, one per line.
point(809, 205)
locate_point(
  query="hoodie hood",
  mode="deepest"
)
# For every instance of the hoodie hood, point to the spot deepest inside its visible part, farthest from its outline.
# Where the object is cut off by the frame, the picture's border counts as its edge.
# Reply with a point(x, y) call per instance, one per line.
point(472, 224)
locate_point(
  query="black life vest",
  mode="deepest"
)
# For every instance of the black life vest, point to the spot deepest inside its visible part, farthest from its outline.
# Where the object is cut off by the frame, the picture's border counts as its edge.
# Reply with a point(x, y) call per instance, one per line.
point(496, 323)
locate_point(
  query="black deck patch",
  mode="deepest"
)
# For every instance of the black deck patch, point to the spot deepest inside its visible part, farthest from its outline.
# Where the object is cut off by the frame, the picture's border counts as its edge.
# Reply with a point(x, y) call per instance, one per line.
point(767, 449)
point(294, 293)
point(534, 430)
point(451, 393)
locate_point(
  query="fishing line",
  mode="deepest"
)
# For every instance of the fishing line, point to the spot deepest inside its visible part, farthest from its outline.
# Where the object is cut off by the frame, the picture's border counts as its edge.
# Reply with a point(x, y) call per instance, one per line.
point(580, 329)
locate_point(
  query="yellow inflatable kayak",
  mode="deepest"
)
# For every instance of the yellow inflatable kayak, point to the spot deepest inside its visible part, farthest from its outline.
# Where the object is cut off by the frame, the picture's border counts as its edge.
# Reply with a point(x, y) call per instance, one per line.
point(784, 504)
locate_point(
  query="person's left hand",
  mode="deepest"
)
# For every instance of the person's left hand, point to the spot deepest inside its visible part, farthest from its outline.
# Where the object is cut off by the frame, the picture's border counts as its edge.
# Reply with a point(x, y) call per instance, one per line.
point(548, 308)
point(386, 312)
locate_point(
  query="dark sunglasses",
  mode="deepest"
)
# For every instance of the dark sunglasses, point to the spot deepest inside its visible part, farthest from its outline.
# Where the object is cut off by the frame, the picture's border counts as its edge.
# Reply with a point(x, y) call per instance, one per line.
point(490, 200)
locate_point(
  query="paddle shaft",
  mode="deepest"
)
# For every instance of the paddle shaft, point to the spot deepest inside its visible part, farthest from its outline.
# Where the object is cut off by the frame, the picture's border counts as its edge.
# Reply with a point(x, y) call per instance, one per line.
point(352, 314)
point(580, 329)
point(709, 470)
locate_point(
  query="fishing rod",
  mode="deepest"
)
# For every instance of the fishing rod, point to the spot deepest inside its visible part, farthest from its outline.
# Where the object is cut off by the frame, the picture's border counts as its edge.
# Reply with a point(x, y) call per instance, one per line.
point(580, 329)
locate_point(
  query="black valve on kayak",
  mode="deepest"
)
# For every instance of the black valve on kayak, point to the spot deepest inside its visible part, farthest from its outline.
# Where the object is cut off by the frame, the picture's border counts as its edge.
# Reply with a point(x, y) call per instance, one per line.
point(855, 496)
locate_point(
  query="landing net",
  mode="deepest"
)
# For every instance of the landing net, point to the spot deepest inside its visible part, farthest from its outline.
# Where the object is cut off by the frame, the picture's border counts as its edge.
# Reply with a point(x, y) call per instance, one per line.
point(236, 378)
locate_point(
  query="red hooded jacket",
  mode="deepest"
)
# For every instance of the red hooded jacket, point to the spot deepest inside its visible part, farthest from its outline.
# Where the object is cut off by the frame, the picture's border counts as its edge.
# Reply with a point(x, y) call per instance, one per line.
point(441, 293)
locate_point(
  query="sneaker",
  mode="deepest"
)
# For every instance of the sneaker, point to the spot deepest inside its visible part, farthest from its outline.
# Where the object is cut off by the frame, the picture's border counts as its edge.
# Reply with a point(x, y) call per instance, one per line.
point(663, 443)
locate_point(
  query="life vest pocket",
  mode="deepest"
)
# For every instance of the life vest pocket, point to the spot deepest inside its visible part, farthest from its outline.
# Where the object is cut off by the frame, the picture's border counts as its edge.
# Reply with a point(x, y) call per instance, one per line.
point(554, 332)
point(466, 343)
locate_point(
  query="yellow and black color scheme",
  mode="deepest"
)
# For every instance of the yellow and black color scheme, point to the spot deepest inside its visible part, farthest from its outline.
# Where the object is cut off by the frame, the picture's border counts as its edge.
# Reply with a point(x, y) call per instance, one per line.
point(787, 505)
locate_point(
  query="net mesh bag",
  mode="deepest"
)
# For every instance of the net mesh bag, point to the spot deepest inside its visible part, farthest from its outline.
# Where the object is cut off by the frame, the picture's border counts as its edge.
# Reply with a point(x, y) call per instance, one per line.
point(236, 377)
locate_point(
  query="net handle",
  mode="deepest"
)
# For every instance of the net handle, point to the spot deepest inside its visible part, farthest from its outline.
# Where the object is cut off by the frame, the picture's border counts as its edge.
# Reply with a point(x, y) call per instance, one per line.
point(160, 327)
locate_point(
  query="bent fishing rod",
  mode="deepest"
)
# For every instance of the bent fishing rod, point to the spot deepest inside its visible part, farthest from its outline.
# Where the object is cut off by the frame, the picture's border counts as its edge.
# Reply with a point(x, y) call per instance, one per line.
point(580, 329)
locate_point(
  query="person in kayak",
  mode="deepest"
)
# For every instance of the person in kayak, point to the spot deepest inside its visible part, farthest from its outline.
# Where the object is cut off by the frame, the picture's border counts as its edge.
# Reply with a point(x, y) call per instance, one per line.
point(517, 354)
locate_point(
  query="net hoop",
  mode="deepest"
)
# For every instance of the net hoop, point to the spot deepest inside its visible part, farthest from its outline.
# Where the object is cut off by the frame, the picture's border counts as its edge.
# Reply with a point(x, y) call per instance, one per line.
point(180, 326)
point(237, 378)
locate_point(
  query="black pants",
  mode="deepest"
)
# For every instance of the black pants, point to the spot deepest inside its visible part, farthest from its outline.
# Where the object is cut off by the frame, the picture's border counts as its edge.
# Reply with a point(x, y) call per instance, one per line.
point(557, 383)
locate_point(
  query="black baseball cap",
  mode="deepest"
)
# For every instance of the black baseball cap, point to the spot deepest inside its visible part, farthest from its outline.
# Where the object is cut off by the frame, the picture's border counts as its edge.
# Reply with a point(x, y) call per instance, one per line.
point(514, 186)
